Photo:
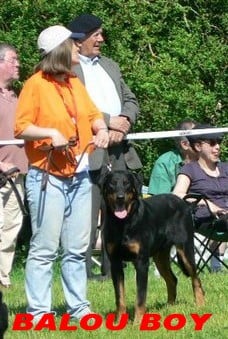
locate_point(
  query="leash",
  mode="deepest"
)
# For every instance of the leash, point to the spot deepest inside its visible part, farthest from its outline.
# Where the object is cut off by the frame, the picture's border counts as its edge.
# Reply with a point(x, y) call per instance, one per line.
point(50, 148)
point(4, 177)
point(19, 200)
point(45, 175)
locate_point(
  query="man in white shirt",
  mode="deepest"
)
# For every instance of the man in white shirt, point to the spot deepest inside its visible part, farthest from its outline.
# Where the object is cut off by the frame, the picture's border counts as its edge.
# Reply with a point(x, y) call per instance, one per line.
point(105, 84)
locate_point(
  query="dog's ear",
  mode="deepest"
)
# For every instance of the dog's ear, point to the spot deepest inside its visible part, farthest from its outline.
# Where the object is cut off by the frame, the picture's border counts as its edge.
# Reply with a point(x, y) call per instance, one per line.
point(138, 181)
point(102, 176)
point(98, 176)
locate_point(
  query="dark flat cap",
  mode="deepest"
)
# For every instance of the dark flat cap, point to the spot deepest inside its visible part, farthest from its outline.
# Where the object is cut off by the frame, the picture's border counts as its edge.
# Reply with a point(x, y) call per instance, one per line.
point(209, 136)
point(85, 23)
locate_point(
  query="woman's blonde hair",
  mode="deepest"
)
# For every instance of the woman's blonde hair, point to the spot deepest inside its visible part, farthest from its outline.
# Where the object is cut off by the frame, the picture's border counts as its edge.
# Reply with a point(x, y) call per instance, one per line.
point(58, 61)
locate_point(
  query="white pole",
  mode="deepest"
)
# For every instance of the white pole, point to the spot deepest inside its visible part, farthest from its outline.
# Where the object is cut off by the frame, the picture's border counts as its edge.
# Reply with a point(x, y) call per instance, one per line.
point(173, 134)
point(12, 142)
point(147, 135)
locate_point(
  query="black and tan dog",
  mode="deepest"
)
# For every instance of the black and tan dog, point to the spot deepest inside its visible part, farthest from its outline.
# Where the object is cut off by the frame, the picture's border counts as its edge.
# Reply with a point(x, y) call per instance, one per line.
point(136, 229)
point(3, 317)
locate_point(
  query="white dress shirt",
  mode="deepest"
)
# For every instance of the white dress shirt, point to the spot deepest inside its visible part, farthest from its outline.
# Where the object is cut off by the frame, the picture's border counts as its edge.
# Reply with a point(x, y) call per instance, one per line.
point(100, 86)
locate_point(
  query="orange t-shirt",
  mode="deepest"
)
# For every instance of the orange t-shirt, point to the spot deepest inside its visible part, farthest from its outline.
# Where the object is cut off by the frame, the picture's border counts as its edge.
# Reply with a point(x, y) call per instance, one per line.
point(44, 102)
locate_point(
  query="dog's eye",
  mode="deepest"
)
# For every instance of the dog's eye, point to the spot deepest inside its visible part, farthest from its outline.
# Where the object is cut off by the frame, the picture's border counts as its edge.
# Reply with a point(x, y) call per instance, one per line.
point(112, 185)
point(126, 183)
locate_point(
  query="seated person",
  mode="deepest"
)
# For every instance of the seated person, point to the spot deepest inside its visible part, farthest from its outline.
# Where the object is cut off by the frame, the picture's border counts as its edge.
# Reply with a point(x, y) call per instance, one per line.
point(207, 176)
point(165, 170)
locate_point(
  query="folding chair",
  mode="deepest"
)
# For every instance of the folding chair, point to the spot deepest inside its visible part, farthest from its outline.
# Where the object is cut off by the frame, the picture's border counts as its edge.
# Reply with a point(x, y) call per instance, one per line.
point(213, 232)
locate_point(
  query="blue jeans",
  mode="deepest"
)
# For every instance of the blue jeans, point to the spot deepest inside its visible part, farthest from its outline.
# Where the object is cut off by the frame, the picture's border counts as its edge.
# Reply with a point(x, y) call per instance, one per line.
point(60, 215)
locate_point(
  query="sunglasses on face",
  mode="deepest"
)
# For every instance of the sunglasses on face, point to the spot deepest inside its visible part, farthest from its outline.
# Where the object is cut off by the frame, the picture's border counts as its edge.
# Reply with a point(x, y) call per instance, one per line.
point(212, 142)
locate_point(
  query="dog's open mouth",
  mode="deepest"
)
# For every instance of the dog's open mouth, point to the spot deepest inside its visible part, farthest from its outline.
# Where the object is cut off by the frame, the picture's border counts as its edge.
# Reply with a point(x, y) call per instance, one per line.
point(120, 213)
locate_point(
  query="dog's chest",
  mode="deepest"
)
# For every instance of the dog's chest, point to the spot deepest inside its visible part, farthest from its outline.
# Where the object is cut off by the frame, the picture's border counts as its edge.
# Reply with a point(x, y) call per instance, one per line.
point(131, 246)
point(130, 243)
point(122, 239)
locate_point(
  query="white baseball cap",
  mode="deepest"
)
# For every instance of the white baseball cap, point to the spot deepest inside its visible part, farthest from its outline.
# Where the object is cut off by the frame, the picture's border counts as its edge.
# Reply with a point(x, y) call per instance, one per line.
point(53, 36)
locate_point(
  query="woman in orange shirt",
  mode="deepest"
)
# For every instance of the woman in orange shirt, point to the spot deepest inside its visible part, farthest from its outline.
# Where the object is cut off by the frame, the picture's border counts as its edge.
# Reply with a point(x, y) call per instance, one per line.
point(60, 126)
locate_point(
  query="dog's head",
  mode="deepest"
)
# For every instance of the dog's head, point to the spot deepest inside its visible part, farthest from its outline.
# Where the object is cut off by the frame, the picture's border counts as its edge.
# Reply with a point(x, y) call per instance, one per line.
point(120, 190)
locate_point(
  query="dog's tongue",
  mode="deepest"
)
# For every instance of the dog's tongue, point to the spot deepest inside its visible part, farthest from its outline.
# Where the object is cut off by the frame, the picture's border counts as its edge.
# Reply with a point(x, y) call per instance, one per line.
point(121, 214)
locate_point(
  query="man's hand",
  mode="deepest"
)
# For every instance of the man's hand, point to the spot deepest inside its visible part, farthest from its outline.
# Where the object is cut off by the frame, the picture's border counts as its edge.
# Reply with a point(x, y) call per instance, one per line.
point(6, 166)
point(118, 128)
point(120, 124)
point(9, 170)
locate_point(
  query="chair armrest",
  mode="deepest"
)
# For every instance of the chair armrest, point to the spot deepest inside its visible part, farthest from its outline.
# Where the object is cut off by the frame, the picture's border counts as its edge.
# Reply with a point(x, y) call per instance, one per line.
point(196, 196)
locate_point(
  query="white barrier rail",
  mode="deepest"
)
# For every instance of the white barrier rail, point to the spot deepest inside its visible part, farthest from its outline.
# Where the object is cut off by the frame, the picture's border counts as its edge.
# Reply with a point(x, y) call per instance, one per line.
point(173, 134)
point(11, 142)
point(148, 135)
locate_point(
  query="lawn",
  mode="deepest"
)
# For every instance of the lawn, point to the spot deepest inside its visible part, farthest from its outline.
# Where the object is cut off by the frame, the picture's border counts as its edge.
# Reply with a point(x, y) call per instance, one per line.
point(102, 300)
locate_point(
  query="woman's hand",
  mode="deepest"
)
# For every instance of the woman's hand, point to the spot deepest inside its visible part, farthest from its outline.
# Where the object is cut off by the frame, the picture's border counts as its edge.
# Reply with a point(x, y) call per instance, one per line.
point(115, 137)
point(33, 132)
point(216, 210)
point(58, 140)
point(101, 139)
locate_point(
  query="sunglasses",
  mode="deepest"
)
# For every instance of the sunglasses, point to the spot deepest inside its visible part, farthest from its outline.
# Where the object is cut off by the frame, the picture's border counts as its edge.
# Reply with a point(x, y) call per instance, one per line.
point(212, 142)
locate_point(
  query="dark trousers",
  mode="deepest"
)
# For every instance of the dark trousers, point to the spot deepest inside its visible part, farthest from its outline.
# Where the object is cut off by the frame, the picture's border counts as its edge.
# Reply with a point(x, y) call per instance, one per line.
point(96, 209)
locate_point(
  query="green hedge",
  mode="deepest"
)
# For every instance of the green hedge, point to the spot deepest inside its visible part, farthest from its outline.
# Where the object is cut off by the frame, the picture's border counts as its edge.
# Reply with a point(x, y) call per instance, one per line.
point(173, 55)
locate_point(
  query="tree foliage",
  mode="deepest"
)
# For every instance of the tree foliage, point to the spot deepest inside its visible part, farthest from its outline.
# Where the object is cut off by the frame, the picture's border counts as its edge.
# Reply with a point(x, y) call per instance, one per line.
point(173, 55)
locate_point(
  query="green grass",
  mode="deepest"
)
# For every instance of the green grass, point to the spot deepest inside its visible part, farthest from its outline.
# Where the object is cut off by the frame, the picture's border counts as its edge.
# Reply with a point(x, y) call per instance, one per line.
point(102, 300)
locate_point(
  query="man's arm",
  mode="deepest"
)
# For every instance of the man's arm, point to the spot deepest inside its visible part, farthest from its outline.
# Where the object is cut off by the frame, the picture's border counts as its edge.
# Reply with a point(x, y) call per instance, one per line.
point(130, 106)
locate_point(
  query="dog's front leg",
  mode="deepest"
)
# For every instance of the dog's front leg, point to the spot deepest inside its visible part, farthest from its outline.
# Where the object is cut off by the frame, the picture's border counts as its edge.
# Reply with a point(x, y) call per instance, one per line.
point(141, 268)
point(162, 261)
point(118, 283)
